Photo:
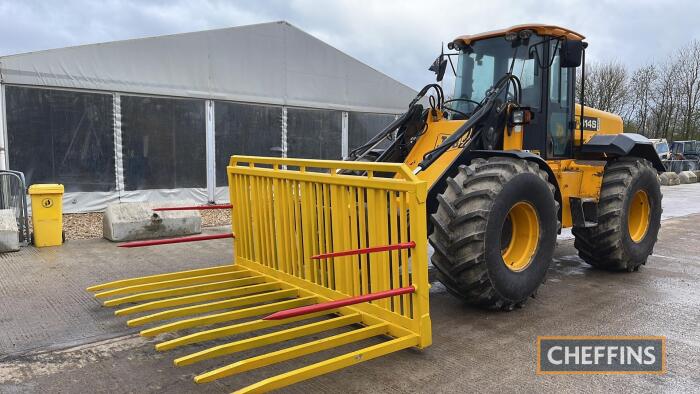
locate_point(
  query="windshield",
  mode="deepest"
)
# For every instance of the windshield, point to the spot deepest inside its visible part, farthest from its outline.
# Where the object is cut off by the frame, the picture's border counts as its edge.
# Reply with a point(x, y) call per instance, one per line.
point(662, 147)
point(483, 63)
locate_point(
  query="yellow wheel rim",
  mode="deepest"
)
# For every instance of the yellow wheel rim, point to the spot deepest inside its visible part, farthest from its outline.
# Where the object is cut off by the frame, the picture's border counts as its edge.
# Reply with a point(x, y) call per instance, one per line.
point(523, 226)
point(638, 216)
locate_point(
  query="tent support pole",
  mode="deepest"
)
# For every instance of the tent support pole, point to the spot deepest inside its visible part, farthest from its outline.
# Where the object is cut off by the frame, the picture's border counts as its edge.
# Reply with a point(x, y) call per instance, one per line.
point(118, 150)
point(211, 151)
point(344, 135)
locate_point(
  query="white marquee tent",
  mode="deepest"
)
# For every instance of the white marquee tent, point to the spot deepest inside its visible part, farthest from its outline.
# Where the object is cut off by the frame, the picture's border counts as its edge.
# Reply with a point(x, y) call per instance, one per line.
point(157, 118)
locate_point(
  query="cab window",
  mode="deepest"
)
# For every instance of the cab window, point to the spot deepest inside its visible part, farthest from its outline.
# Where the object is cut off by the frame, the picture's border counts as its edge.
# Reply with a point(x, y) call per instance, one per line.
point(559, 135)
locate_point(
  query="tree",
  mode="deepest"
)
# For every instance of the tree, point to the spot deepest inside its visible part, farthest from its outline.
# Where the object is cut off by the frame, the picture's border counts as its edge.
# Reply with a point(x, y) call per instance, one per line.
point(659, 100)
point(641, 94)
point(664, 101)
point(688, 68)
point(606, 86)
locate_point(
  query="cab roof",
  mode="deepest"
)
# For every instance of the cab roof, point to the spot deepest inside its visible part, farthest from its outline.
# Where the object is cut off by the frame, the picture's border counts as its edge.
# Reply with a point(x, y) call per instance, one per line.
point(540, 29)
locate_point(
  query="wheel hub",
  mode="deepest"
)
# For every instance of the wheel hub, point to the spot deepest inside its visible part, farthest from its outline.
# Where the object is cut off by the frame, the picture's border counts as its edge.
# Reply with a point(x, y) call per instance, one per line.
point(519, 236)
point(638, 216)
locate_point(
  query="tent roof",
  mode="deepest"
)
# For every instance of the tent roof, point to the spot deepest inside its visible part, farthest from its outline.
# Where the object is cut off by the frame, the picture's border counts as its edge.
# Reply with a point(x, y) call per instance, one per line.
point(273, 63)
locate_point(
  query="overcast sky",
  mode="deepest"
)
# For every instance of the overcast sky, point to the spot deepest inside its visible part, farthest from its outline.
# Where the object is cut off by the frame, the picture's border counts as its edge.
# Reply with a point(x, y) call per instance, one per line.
point(399, 38)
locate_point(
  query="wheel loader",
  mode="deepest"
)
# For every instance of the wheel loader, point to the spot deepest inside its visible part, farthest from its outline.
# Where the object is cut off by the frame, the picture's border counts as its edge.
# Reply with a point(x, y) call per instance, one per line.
point(512, 159)
point(338, 250)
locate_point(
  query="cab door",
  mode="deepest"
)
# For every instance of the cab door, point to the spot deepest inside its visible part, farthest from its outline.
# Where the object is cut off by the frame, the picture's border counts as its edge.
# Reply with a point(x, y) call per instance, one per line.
point(560, 108)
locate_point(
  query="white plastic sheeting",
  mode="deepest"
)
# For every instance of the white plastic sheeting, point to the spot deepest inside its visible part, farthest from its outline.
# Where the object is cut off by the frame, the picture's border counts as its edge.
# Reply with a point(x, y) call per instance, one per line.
point(77, 202)
point(274, 63)
point(169, 165)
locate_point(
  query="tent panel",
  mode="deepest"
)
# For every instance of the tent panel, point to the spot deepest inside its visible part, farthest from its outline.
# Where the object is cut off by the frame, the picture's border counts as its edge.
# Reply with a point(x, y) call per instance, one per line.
point(314, 134)
point(245, 129)
point(58, 136)
point(163, 143)
point(363, 126)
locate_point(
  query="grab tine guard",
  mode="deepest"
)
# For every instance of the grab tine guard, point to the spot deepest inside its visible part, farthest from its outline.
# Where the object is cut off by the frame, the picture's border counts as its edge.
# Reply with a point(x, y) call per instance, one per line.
point(316, 251)
point(267, 339)
point(293, 352)
point(324, 306)
point(162, 277)
point(240, 328)
point(194, 298)
point(213, 306)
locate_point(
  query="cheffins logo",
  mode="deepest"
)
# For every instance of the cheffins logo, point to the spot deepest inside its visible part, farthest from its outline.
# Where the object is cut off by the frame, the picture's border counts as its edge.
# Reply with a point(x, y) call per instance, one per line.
point(601, 355)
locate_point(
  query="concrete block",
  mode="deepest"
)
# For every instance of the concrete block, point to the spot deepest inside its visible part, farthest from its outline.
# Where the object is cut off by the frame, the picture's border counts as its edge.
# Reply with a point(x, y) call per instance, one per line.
point(669, 179)
point(697, 174)
point(9, 232)
point(687, 177)
point(134, 221)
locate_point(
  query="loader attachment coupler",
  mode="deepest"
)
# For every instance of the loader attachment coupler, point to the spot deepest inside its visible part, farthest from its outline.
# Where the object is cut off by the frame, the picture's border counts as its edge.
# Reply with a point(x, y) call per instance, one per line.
point(322, 260)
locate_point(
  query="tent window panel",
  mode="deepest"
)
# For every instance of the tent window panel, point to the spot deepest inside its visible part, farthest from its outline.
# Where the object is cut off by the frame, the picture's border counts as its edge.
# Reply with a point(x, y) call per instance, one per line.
point(245, 129)
point(363, 126)
point(163, 142)
point(314, 134)
point(60, 136)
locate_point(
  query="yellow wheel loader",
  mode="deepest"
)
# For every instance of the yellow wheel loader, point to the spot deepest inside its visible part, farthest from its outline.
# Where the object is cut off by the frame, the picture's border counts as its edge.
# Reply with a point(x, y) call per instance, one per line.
point(339, 249)
point(511, 159)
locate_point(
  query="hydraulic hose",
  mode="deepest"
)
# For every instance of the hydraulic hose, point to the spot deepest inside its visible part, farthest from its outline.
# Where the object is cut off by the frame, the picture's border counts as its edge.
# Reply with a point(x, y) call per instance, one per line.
point(481, 112)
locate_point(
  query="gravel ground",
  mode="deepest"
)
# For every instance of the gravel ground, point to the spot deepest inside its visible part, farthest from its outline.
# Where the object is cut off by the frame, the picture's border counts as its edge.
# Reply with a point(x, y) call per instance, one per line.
point(215, 217)
point(89, 225)
point(82, 225)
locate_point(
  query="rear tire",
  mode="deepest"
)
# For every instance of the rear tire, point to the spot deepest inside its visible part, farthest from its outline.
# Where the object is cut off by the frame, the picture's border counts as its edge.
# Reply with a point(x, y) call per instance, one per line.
point(616, 243)
point(473, 228)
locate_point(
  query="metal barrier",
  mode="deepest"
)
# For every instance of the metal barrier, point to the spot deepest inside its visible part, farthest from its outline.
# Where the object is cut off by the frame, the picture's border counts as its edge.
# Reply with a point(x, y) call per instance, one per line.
point(13, 195)
point(332, 251)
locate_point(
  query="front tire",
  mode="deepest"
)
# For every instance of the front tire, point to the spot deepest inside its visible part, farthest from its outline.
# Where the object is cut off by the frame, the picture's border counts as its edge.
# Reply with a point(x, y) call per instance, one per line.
point(494, 232)
point(629, 217)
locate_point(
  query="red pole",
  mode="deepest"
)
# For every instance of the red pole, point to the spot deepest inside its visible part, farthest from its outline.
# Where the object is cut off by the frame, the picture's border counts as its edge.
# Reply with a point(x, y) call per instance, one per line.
point(194, 207)
point(324, 306)
point(152, 242)
point(372, 249)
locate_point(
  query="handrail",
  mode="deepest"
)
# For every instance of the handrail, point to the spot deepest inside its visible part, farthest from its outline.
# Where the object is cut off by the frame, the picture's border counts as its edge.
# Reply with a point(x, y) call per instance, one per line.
point(397, 168)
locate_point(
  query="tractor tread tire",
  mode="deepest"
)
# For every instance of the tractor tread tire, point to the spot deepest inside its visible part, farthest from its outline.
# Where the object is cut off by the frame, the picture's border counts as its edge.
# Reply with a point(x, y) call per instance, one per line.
point(605, 246)
point(459, 229)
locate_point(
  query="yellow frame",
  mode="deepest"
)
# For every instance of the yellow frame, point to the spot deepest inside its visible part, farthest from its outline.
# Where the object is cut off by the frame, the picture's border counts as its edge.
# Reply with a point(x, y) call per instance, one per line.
point(410, 195)
point(281, 217)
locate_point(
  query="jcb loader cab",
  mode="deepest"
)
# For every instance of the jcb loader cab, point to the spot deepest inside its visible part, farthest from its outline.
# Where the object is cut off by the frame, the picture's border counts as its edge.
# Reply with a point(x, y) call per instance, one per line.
point(511, 159)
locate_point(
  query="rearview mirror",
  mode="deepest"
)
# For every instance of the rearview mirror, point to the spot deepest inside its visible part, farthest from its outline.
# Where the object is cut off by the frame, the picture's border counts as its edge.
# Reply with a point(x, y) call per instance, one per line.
point(570, 53)
point(438, 67)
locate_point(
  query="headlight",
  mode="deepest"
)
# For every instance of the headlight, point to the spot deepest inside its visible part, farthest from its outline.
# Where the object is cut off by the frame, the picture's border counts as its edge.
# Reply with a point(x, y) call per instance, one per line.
point(520, 117)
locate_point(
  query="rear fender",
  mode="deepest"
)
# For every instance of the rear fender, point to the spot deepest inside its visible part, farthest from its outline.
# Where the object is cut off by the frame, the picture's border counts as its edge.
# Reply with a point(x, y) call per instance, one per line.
point(624, 144)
